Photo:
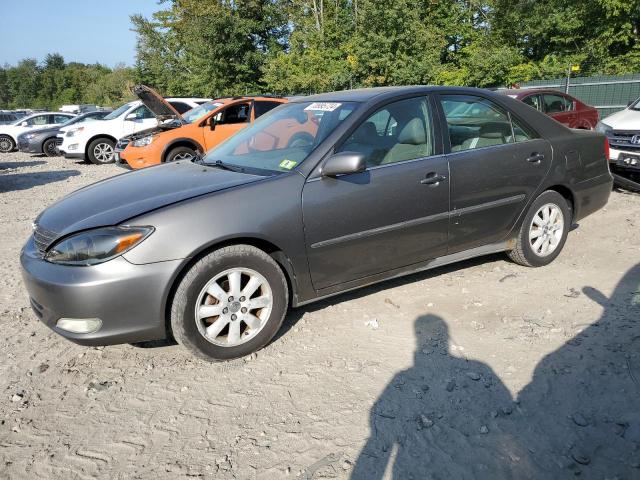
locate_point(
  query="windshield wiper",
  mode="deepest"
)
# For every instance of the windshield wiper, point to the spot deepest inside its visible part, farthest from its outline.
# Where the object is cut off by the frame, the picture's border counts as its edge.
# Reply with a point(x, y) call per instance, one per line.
point(225, 166)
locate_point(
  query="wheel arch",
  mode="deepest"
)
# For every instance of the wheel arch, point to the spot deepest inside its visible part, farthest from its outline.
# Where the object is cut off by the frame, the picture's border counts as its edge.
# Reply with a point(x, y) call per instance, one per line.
point(180, 142)
point(95, 137)
point(568, 195)
point(266, 246)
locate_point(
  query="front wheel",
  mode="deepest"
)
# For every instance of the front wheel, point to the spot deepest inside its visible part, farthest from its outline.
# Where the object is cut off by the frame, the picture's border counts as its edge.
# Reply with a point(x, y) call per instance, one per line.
point(6, 144)
point(101, 151)
point(543, 232)
point(180, 153)
point(49, 147)
point(230, 303)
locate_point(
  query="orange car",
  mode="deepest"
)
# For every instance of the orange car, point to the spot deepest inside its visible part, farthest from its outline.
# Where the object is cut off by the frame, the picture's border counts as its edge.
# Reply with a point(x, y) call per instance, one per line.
point(180, 137)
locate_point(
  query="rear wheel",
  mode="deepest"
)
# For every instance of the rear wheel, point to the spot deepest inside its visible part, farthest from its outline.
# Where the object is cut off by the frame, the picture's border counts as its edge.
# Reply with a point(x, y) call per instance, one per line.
point(101, 151)
point(180, 153)
point(6, 144)
point(49, 147)
point(230, 303)
point(543, 232)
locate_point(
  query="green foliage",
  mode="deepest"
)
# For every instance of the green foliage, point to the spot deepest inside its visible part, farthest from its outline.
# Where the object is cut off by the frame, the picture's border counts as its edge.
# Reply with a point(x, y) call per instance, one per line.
point(229, 47)
point(54, 83)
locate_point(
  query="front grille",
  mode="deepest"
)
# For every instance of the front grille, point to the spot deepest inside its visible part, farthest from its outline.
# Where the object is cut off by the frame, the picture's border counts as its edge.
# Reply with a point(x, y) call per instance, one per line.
point(43, 238)
point(122, 144)
point(624, 140)
point(59, 141)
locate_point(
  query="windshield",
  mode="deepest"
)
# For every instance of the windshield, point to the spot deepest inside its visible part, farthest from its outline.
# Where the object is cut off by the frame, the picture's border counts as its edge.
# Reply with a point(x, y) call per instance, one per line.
point(117, 112)
point(635, 105)
point(200, 111)
point(282, 139)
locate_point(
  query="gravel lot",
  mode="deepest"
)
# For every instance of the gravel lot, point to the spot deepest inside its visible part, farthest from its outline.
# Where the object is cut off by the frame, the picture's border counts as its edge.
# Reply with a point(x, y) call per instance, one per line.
point(480, 370)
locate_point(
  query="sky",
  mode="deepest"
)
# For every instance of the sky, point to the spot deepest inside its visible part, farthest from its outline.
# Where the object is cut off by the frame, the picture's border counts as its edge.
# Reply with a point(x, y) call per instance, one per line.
point(87, 31)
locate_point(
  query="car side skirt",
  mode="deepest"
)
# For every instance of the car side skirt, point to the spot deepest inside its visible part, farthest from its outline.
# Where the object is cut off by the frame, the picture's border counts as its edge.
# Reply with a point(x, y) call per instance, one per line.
point(410, 269)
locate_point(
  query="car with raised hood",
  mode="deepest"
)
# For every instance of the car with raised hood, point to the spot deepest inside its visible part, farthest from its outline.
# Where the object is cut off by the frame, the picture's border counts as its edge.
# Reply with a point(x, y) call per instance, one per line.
point(184, 136)
point(95, 141)
point(623, 131)
point(44, 140)
point(215, 251)
point(560, 106)
point(9, 133)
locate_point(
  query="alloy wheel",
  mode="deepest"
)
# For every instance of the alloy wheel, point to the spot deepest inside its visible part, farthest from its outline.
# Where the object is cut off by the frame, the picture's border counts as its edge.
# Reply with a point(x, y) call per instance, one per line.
point(103, 152)
point(233, 307)
point(182, 156)
point(546, 230)
point(5, 145)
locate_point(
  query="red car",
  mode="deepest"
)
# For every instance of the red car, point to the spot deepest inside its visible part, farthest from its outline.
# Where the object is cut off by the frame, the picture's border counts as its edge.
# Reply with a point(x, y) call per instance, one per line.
point(560, 106)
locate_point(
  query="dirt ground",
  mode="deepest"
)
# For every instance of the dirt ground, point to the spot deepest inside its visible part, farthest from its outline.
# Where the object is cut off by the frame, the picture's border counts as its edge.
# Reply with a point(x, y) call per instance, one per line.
point(480, 370)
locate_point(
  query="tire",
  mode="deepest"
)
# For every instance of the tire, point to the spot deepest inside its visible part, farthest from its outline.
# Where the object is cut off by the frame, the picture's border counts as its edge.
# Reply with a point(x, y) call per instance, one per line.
point(101, 151)
point(300, 140)
point(552, 233)
point(180, 153)
point(49, 147)
point(193, 293)
point(7, 144)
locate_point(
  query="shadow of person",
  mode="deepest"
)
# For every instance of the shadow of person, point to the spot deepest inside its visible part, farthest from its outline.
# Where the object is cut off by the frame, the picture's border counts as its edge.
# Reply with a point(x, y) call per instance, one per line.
point(444, 418)
point(581, 411)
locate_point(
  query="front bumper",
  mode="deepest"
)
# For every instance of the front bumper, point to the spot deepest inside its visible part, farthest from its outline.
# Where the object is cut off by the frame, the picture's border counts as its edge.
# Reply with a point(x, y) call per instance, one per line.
point(129, 299)
point(27, 146)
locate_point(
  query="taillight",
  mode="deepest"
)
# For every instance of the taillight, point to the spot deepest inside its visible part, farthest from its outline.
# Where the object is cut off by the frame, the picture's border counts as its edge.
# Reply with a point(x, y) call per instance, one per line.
point(607, 149)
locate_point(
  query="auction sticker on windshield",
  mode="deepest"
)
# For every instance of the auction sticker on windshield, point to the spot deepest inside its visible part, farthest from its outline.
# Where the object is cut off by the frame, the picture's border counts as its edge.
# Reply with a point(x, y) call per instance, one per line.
point(288, 164)
point(323, 106)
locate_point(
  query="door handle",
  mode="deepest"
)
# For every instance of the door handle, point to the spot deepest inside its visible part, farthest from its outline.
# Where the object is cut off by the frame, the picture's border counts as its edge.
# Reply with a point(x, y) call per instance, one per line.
point(433, 179)
point(535, 158)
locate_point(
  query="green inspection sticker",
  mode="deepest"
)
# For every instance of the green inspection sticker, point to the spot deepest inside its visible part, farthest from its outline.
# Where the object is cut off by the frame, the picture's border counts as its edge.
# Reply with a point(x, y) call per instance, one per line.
point(288, 164)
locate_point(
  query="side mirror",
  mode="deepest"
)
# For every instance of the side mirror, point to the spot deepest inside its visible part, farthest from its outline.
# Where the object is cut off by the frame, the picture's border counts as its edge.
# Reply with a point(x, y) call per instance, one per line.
point(131, 117)
point(343, 163)
point(212, 124)
point(24, 124)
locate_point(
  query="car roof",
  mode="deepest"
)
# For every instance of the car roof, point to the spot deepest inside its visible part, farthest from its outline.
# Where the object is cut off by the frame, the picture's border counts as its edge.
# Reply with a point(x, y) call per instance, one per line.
point(367, 94)
point(526, 91)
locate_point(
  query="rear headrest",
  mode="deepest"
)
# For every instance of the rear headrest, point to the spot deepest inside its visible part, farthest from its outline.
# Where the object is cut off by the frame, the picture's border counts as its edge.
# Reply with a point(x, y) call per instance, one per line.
point(365, 133)
point(495, 130)
point(413, 133)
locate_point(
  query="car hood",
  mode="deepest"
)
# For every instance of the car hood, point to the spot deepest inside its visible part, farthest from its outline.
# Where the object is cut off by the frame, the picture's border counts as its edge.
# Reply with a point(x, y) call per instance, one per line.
point(118, 199)
point(158, 105)
point(626, 119)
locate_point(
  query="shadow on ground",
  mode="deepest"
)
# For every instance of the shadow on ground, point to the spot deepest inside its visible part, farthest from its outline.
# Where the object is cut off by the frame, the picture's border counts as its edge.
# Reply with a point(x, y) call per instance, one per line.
point(12, 165)
point(25, 181)
point(447, 417)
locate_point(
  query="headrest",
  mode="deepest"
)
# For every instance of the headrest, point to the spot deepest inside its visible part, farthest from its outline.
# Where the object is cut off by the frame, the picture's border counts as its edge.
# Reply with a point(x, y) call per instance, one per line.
point(413, 133)
point(365, 133)
point(495, 130)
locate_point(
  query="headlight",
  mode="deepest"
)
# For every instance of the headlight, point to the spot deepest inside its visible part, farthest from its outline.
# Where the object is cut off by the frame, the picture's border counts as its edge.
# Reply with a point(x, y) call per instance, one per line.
point(604, 128)
point(96, 246)
point(74, 131)
point(29, 136)
point(143, 142)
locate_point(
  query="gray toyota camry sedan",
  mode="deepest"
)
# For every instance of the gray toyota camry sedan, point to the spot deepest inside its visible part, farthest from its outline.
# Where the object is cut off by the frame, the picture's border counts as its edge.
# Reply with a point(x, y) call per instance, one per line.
point(321, 195)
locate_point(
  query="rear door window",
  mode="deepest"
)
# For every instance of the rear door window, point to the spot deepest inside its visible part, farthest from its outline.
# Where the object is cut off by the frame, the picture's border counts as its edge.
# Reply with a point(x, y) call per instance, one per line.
point(263, 107)
point(556, 103)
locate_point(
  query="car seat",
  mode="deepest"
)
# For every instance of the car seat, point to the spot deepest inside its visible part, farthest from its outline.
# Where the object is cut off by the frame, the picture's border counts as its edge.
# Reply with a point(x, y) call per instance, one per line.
point(412, 143)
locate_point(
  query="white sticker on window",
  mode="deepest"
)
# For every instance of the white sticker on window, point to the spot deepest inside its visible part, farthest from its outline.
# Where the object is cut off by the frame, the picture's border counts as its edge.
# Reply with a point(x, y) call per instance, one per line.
point(323, 106)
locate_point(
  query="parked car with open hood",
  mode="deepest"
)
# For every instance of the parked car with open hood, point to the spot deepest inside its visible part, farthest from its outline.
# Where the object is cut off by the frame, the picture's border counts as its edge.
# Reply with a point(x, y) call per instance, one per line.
point(9, 133)
point(623, 131)
point(393, 181)
point(43, 140)
point(95, 141)
point(192, 133)
point(558, 105)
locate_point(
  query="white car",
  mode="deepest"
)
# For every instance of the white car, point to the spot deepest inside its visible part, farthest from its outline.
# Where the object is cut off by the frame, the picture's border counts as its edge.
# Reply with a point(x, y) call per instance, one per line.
point(623, 131)
point(95, 141)
point(9, 133)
